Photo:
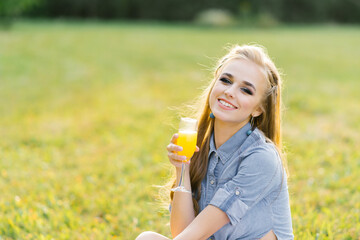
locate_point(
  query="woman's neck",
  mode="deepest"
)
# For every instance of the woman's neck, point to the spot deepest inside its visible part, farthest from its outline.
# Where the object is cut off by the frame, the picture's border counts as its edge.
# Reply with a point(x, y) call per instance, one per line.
point(224, 131)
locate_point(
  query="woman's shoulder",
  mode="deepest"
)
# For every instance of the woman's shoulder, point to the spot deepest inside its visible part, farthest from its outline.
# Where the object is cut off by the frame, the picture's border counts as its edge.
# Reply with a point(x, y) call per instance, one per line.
point(258, 151)
point(258, 143)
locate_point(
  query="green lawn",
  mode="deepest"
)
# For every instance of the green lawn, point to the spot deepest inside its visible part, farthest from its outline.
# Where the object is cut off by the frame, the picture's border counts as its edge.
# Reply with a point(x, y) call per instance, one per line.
point(86, 115)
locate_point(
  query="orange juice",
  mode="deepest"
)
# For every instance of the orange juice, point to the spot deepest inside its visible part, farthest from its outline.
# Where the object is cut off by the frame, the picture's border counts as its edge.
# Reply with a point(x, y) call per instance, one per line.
point(187, 140)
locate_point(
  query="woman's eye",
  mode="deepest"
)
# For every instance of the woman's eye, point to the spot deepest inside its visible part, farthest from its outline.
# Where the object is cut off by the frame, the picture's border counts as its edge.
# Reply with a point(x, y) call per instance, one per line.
point(225, 80)
point(246, 90)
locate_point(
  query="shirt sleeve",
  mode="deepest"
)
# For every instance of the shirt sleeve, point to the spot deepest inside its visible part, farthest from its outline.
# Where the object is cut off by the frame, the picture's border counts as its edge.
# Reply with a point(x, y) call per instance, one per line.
point(258, 174)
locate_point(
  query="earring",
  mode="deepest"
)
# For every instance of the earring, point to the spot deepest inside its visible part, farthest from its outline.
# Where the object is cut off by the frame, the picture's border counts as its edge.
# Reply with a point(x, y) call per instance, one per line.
point(212, 115)
point(252, 126)
point(248, 132)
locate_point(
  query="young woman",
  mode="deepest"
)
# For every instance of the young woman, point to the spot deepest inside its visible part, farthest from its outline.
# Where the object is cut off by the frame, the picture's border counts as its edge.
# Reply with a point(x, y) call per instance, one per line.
point(236, 177)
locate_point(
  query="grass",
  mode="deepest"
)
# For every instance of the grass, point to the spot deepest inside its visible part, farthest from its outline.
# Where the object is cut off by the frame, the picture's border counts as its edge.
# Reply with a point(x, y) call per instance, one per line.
point(85, 120)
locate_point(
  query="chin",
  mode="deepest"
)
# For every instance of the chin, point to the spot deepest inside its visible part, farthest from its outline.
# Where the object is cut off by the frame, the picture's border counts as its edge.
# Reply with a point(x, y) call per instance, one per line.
point(224, 118)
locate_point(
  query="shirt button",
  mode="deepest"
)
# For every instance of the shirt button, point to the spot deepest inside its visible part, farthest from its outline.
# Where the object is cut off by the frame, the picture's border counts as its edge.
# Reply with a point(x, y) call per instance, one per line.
point(237, 192)
point(212, 182)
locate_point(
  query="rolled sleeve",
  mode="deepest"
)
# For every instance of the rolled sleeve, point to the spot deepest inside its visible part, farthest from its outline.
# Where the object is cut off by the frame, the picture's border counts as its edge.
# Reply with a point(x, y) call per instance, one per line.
point(257, 175)
point(230, 203)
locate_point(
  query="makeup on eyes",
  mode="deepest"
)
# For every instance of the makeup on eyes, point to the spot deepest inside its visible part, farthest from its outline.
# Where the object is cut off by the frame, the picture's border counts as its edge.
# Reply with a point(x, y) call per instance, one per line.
point(225, 80)
point(247, 91)
point(228, 81)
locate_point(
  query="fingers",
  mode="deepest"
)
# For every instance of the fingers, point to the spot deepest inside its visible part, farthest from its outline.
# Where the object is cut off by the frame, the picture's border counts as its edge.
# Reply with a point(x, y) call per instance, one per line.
point(173, 148)
point(174, 138)
point(176, 157)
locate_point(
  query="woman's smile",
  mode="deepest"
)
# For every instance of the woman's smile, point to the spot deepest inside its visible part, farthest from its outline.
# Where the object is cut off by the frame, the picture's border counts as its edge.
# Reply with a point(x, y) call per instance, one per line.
point(226, 104)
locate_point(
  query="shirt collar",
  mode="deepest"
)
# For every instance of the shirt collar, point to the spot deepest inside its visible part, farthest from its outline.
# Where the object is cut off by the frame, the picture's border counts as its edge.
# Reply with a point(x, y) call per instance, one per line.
point(212, 144)
point(226, 150)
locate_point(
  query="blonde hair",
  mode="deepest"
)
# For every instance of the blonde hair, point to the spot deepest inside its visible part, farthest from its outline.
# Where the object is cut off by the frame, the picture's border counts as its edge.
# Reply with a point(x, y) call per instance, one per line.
point(268, 122)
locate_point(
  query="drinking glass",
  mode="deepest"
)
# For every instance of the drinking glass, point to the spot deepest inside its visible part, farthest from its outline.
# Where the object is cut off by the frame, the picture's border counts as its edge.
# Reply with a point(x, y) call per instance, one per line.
point(187, 140)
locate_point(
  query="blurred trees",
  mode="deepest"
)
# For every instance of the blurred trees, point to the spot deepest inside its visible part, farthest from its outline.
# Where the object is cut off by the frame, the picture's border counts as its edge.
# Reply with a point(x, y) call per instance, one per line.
point(12, 8)
point(186, 10)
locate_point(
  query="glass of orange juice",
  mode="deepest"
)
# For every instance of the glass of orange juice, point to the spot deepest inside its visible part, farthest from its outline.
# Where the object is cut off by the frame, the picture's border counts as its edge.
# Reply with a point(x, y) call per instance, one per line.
point(187, 140)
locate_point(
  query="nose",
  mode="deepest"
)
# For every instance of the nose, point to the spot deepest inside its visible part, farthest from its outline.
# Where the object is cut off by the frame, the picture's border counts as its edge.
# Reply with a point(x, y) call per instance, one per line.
point(229, 92)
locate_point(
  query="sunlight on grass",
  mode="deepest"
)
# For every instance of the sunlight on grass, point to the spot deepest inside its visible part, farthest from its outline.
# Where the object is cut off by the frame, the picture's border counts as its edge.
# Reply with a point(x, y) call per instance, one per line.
point(86, 118)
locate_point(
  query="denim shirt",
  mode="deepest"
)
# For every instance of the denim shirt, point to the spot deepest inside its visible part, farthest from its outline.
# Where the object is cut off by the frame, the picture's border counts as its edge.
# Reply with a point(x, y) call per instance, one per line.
point(246, 180)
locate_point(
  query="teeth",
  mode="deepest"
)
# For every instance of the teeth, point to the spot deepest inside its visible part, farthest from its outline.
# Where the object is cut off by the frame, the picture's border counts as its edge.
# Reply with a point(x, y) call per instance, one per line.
point(226, 104)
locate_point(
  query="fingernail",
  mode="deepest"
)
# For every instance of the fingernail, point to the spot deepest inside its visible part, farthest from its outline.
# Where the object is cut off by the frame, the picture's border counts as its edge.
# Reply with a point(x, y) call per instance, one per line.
point(180, 148)
point(183, 158)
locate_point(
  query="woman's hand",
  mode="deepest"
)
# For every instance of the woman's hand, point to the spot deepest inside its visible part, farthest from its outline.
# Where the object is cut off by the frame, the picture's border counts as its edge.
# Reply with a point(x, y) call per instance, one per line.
point(172, 148)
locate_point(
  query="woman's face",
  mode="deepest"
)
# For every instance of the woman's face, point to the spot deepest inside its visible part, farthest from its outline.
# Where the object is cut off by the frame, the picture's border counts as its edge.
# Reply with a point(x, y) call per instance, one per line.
point(238, 92)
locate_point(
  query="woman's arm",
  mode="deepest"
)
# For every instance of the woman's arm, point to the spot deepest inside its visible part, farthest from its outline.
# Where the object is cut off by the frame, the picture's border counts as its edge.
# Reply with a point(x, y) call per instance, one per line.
point(210, 220)
point(182, 210)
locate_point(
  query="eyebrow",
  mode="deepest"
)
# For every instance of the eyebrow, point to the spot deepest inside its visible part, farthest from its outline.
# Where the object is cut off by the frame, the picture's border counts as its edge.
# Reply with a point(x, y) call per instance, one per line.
point(245, 82)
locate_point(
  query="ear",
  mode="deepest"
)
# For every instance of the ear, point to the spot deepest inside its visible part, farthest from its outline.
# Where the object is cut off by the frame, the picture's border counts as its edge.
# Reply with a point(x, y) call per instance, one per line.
point(258, 111)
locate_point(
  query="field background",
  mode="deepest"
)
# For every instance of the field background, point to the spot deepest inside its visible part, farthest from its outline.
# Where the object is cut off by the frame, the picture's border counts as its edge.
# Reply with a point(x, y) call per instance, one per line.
point(85, 118)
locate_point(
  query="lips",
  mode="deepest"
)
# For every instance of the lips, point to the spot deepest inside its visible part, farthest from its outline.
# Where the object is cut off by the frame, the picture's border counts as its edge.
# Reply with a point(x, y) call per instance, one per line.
point(226, 104)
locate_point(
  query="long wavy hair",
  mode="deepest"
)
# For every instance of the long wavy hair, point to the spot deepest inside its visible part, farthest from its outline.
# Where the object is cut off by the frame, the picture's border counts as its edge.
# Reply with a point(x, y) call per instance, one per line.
point(268, 122)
